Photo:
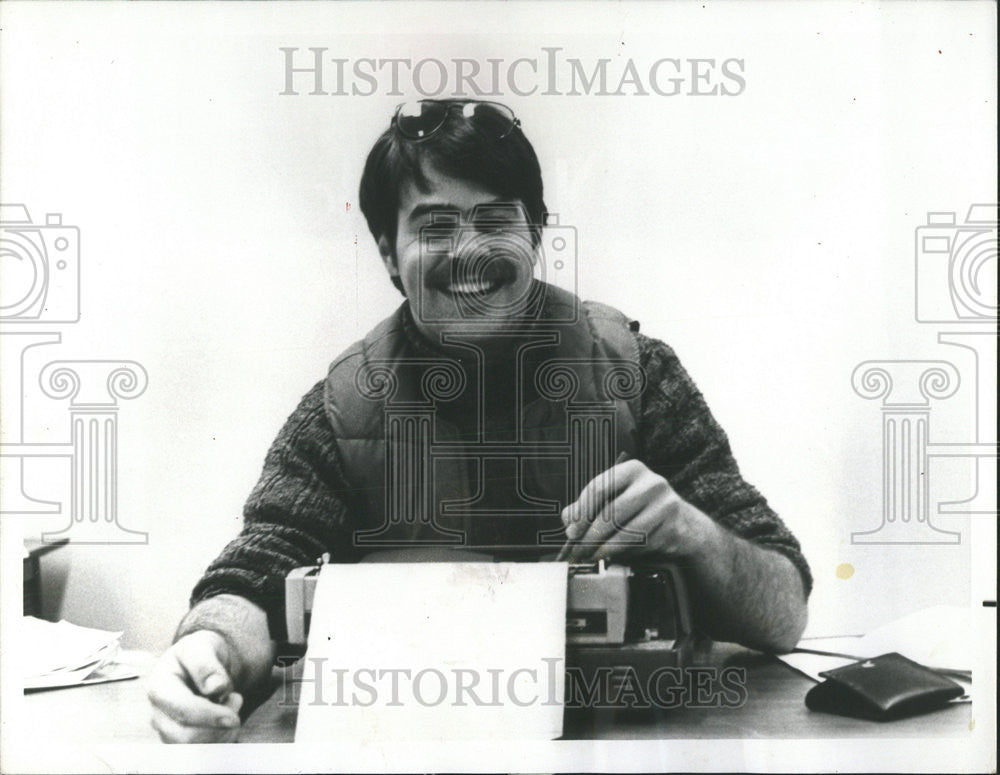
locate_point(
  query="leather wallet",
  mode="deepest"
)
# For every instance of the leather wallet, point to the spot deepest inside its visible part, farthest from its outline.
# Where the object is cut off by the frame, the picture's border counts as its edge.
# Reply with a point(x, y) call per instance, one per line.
point(882, 689)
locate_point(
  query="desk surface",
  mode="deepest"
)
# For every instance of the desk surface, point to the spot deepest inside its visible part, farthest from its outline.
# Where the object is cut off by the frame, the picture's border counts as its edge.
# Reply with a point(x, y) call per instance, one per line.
point(775, 708)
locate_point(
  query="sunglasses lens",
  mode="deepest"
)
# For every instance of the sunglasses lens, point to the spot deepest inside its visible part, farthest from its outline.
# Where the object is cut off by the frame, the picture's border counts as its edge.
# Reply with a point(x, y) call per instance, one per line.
point(417, 120)
point(491, 118)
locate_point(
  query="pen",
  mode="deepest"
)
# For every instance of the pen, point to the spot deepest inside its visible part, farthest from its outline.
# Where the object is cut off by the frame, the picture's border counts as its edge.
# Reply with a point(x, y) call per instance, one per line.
point(570, 543)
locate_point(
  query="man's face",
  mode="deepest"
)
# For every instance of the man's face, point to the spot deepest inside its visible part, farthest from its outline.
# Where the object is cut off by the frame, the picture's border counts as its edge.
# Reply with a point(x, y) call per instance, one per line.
point(463, 254)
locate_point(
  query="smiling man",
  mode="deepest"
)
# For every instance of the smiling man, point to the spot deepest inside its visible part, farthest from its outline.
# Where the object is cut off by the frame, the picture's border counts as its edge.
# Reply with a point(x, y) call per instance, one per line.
point(493, 411)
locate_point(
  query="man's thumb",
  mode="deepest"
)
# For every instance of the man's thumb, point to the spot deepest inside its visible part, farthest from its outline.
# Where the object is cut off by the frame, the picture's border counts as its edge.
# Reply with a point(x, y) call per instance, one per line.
point(215, 684)
point(208, 673)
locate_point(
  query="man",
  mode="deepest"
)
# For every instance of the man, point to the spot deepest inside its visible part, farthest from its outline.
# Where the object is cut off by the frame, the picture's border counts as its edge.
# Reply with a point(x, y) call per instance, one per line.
point(493, 411)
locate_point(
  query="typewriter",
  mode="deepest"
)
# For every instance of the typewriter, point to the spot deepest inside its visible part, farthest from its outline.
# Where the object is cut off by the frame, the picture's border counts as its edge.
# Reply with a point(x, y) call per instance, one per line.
point(623, 624)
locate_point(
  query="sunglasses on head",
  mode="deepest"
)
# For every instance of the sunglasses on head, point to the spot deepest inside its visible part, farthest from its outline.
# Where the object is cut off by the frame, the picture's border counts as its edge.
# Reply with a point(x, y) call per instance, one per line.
point(423, 119)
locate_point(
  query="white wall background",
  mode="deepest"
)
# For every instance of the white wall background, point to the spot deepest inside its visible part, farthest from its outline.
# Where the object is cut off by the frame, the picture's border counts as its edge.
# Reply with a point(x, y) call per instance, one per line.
point(768, 237)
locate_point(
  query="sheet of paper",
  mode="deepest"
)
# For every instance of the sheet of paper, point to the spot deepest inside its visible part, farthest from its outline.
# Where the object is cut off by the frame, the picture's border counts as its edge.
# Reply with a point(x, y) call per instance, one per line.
point(107, 673)
point(938, 637)
point(64, 652)
point(435, 651)
point(813, 664)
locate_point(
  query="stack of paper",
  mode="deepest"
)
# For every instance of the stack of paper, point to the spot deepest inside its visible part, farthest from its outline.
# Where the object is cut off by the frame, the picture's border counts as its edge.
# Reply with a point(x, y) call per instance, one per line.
point(64, 654)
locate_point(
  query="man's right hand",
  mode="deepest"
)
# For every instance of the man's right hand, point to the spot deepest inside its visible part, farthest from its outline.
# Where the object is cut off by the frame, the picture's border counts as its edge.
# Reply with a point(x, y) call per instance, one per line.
point(192, 691)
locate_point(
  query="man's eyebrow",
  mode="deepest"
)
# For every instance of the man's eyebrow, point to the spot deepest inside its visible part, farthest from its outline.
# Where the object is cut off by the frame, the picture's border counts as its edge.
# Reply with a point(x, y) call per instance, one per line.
point(424, 208)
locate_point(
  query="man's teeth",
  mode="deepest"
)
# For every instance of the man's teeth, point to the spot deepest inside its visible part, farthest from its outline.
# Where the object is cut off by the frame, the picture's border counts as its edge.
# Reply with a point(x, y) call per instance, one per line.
point(471, 287)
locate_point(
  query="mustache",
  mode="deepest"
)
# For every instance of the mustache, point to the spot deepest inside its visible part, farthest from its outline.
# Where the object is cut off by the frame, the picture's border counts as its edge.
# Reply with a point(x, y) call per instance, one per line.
point(485, 266)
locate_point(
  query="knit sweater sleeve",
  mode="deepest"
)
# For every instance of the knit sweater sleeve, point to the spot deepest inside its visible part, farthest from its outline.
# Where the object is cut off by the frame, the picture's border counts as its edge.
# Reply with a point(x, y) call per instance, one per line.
point(682, 442)
point(294, 514)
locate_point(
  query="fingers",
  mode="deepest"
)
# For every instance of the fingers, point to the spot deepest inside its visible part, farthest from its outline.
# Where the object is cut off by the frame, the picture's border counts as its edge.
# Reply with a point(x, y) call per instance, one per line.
point(639, 518)
point(636, 537)
point(171, 731)
point(595, 495)
point(174, 698)
point(612, 523)
point(191, 693)
point(234, 702)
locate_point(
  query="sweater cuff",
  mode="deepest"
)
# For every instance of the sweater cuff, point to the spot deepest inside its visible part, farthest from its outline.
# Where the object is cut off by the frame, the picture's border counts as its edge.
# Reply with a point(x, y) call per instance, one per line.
point(267, 592)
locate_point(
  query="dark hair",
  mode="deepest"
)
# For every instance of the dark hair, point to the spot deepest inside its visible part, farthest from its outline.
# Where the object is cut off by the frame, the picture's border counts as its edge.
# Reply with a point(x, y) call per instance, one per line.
point(507, 166)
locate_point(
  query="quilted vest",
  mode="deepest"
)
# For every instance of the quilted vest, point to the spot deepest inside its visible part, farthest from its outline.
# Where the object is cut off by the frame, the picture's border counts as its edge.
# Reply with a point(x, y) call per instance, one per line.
point(482, 451)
